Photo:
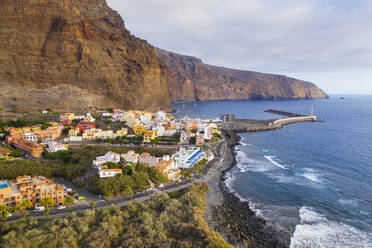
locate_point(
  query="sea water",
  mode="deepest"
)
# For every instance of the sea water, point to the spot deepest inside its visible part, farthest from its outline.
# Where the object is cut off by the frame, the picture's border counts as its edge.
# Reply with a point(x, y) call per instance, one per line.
point(310, 180)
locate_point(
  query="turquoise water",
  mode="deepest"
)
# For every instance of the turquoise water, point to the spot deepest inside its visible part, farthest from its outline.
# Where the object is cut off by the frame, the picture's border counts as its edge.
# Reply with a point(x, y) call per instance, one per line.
point(311, 180)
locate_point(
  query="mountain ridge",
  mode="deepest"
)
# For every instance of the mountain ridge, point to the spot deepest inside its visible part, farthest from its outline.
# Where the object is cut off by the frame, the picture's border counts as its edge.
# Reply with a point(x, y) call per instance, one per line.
point(189, 79)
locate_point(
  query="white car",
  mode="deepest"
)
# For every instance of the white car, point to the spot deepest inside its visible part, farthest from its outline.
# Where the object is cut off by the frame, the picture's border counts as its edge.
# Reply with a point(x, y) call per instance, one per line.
point(61, 207)
point(39, 208)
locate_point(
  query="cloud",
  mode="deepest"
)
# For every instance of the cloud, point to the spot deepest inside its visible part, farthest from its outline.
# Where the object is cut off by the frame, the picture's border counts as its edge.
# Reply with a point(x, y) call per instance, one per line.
point(281, 36)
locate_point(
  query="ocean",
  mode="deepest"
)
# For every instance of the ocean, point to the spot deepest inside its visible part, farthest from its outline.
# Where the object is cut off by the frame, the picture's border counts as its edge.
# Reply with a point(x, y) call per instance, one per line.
point(310, 180)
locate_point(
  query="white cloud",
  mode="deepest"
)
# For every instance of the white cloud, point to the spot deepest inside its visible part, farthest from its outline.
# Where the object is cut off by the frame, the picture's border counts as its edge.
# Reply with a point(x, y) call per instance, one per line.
point(280, 36)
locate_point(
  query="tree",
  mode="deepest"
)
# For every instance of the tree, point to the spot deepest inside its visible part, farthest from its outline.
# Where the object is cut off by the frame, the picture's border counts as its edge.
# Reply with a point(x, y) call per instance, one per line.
point(25, 205)
point(4, 212)
point(47, 202)
point(69, 200)
point(93, 204)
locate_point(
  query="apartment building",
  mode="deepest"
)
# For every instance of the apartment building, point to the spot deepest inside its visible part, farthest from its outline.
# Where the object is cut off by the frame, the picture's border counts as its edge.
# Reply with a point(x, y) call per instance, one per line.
point(32, 189)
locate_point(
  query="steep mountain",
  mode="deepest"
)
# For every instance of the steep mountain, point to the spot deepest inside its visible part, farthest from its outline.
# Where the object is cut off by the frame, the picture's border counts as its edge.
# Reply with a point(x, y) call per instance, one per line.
point(190, 79)
point(75, 54)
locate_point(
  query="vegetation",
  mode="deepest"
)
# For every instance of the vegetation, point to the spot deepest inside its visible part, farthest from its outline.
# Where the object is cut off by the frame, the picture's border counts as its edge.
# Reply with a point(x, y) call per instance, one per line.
point(132, 180)
point(198, 168)
point(161, 222)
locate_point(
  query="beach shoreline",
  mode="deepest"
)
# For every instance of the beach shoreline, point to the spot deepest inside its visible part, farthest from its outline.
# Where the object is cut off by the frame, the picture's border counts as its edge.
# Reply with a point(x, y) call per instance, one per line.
point(228, 215)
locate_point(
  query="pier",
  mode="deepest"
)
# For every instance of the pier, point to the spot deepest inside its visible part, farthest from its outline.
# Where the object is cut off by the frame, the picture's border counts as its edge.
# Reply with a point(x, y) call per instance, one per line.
point(247, 125)
point(283, 113)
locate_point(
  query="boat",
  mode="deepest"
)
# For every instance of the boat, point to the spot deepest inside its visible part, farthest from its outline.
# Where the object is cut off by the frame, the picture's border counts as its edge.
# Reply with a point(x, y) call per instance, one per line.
point(342, 98)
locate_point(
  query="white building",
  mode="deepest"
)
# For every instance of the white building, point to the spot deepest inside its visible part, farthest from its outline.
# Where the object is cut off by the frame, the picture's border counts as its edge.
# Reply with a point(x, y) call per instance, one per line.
point(208, 132)
point(187, 157)
point(108, 157)
point(55, 147)
point(89, 118)
point(160, 129)
point(32, 137)
point(185, 137)
point(131, 157)
point(104, 172)
point(160, 115)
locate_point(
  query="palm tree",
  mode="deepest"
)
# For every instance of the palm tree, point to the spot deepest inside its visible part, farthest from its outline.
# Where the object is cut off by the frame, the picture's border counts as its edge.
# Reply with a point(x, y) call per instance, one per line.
point(4, 212)
point(93, 204)
point(2, 109)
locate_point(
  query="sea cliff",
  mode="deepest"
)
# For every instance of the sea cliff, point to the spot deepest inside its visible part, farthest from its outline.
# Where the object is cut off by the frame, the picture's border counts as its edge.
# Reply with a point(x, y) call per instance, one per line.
point(190, 79)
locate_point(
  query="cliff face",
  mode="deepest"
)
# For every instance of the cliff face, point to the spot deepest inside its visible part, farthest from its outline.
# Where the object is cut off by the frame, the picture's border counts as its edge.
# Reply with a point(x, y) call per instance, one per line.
point(191, 80)
point(75, 53)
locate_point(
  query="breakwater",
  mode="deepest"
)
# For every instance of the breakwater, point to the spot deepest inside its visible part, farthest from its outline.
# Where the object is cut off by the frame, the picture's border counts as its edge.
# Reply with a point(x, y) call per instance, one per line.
point(246, 125)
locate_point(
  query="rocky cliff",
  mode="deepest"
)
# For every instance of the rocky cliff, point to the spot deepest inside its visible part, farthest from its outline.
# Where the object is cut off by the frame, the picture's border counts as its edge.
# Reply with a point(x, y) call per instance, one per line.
point(191, 80)
point(74, 54)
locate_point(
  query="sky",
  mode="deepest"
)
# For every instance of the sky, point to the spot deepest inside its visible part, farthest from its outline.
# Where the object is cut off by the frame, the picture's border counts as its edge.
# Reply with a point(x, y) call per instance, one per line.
point(327, 42)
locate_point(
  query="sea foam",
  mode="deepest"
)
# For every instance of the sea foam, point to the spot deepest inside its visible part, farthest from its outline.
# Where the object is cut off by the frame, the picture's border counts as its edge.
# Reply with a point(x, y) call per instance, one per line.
point(271, 159)
point(315, 230)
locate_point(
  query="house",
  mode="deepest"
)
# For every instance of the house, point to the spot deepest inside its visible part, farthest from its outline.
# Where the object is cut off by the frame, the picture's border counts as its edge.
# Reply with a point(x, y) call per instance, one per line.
point(160, 130)
point(31, 129)
point(161, 115)
point(89, 118)
point(51, 133)
point(149, 136)
point(31, 137)
point(185, 137)
point(187, 157)
point(208, 132)
point(74, 132)
point(85, 125)
point(131, 157)
point(199, 139)
point(55, 147)
point(66, 123)
point(32, 189)
point(4, 153)
point(67, 116)
point(108, 157)
point(139, 130)
point(15, 131)
point(31, 148)
point(104, 172)
point(122, 132)
point(147, 159)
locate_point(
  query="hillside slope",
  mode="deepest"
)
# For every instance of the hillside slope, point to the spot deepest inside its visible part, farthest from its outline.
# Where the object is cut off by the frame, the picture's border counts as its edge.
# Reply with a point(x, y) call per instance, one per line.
point(75, 54)
point(190, 79)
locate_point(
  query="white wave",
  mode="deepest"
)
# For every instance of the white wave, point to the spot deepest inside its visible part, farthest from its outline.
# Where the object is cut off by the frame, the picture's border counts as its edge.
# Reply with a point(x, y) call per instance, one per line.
point(271, 159)
point(264, 150)
point(349, 202)
point(316, 231)
point(312, 175)
point(244, 163)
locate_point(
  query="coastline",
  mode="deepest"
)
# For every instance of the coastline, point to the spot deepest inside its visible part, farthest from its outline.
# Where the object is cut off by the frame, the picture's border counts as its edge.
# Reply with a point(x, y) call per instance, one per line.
point(230, 217)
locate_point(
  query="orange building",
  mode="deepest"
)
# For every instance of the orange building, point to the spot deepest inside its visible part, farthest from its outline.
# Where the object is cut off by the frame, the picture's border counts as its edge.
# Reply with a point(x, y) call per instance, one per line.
point(51, 133)
point(34, 149)
point(34, 190)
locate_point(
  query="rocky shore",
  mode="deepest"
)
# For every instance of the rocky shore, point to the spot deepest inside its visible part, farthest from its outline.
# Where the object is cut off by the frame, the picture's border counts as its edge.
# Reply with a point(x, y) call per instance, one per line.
point(233, 219)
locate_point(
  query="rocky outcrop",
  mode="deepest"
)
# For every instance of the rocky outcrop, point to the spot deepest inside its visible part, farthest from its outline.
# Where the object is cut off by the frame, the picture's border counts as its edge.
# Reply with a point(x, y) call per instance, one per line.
point(191, 80)
point(77, 54)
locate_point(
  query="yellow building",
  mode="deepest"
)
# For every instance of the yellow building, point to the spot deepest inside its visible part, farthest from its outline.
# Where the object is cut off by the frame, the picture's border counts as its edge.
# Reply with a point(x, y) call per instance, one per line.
point(15, 131)
point(121, 133)
point(53, 124)
point(67, 116)
point(34, 190)
point(139, 130)
point(150, 135)
point(74, 132)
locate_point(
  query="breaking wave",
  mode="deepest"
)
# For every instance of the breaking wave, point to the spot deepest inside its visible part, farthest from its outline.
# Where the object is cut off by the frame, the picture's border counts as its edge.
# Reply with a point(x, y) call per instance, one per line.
point(314, 230)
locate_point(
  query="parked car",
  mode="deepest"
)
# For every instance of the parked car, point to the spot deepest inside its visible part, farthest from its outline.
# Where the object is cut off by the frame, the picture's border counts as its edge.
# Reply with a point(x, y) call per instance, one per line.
point(80, 198)
point(61, 207)
point(39, 208)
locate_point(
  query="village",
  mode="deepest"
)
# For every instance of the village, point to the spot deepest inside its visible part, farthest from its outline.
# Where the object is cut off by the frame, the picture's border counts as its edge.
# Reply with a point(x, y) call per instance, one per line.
point(192, 141)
